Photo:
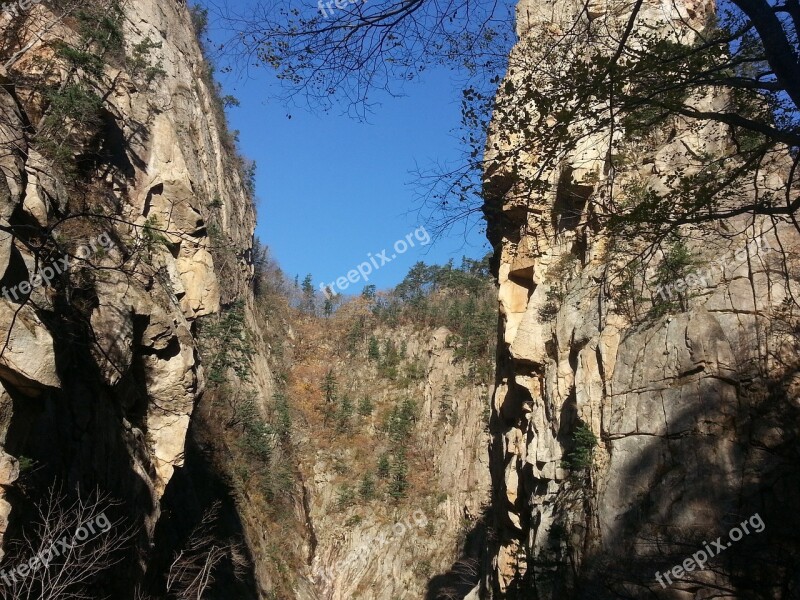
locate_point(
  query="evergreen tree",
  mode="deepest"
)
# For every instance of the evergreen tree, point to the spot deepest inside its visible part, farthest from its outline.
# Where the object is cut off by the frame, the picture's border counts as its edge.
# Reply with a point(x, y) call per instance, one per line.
point(367, 488)
point(356, 334)
point(309, 298)
point(365, 407)
point(228, 338)
point(445, 403)
point(391, 360)
point(283, 424)
point(401, 422)
point(391, 357)
point(398, 480)
point(344, 415)
point(329, 386)
point(369, 292)
point(346, 497)
point(374, 351)
point(384, 467)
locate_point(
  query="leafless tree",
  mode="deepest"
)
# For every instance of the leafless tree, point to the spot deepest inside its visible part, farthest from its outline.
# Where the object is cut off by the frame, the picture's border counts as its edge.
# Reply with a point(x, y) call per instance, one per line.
point(191, 572)
point(564, 85)
point(324, 53)
point(192, 569)
point(466, 573)
point(73, 564)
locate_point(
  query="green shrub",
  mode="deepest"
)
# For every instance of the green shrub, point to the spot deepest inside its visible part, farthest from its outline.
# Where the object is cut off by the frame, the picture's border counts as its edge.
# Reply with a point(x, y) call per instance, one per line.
point(25, 463)
point(340, 466)
point(152, 235)
point(103, 26)
point(243, 410)
point(346, 497)
point(90, 63)
point(445, 404)
point(365, 407)
point(628, 296)
point(141, 64)
point(423, 569)
point(353, 521)
point(557, 277)
point(678, 263)
point(74, 102)
point(257, 440)
point(283, 418)
point(398, 478)
point(228, 344)
point(384, 466)
point(199, 16)
point(582, 447)
point(344, 415)
point(374, 351)
point(367, 488)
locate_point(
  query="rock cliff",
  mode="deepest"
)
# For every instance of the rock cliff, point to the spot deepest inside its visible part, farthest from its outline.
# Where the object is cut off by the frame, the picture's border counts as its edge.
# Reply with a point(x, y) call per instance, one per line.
point(127, 217)
point(391, 434)
point(634, 421)
point(408, 550)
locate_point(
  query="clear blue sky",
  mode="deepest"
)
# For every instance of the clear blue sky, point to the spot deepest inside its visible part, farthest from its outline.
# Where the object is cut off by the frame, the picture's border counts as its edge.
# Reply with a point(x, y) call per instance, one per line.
point(332, 189)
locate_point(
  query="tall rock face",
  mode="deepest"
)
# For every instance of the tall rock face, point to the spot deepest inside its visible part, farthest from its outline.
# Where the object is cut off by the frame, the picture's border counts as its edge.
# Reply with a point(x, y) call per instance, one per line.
point(391, 433)
point(627, 439)
point(419, 546)
point(127, 217)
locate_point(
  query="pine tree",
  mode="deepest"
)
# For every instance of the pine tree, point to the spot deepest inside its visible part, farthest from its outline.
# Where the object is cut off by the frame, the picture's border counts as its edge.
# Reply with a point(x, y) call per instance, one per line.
point(369, 292)
point(445, 403)
point(356, 334)
point(398, 480)
point(365, 407)
point(344, 415)
point(391, 357)
point(401, 422)
point(374, 351)
point(283, 425)
point(329, 387)
point(309, 299)
point(367, 488)
point(346, 497)
point(384, 467)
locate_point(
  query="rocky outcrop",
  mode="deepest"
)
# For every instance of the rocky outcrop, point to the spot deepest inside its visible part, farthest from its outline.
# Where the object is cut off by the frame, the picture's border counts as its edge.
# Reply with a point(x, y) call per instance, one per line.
point(429, 543)
point(693, 408)
point(125, 217)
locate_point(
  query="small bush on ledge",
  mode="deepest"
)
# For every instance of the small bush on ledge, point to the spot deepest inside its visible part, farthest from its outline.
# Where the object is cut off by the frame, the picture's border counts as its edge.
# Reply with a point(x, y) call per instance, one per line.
point(583, 444)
